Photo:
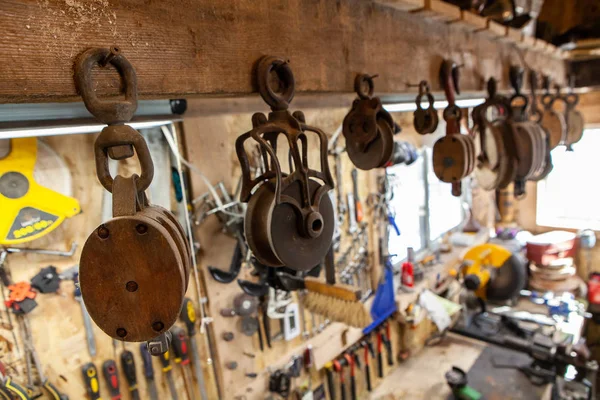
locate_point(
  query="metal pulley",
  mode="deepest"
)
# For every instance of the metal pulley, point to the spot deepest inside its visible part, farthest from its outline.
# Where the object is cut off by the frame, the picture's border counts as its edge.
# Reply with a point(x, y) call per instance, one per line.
point(425, 119)
point(368, 128)
point(289, 219)
point(134, 268)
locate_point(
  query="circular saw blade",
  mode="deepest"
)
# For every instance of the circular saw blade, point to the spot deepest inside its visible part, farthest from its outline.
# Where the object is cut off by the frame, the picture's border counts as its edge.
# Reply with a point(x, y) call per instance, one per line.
point(508, 280)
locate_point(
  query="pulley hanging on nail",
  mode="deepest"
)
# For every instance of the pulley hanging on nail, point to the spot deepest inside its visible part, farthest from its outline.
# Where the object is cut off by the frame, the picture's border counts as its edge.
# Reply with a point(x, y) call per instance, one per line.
point(289, 219)
point(134, 268)
point(425, 119)
point(368, 128)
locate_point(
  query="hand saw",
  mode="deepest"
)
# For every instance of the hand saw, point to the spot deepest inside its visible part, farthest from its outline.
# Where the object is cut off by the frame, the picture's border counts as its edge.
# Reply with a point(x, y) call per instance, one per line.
point(29, 210)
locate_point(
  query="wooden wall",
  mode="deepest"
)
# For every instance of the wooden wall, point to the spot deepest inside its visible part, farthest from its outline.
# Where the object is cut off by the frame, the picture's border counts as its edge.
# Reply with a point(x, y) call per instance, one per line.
point(57, 324)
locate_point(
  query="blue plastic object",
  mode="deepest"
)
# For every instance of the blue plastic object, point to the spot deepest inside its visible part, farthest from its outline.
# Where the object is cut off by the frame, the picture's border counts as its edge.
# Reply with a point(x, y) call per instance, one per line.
point(384, 304)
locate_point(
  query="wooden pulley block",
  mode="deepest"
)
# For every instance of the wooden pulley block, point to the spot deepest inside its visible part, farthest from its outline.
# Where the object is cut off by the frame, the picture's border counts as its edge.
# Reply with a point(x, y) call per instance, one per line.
point(425, 120)
point(544, 157)
point(368, 128)
point(548, 166)
point(553, 122)
point(134, 268)
point(289, 219)
point(451, 158)
point(574, 120)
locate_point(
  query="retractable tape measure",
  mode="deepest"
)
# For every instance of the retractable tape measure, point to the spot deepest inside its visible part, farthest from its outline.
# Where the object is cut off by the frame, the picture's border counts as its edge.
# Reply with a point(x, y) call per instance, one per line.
point(29, 210)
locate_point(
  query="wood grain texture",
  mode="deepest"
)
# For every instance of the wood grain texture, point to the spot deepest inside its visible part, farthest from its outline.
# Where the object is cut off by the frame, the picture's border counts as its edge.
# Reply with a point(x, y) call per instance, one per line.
point(208, 48)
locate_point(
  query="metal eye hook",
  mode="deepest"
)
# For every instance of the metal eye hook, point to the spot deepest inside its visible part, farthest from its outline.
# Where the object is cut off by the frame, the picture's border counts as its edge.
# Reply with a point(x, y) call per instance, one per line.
point(516, 78)
point(360, 89)
point(424, 88)
point(449, 77)
point(266, 65)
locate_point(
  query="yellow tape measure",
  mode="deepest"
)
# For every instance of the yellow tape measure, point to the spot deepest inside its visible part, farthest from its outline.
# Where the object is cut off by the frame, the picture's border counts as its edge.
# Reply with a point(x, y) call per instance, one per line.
point(29, 210)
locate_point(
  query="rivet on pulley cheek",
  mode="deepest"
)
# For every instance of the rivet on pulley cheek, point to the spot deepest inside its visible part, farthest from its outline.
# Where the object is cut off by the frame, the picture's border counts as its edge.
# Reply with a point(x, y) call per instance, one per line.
point(158, 326)
point(103, 232)
point(141, 229)
point(131, 286)
point(121, 332)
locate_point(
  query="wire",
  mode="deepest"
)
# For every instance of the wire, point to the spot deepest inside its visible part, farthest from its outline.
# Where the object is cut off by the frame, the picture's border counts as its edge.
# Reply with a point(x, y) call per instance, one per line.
point(171, 138)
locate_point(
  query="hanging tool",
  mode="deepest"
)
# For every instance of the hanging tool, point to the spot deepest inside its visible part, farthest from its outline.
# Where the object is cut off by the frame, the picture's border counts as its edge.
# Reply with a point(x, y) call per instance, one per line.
point(338, 366)
point(280, 383)
point(148, 372)
point(289, 219)
point(29, 210)
point(425, 120)
point(116, 255)
point(350, 362)
point(111, 376)
point(128, 365)
point(188, 316)
point(31, 355)
point(387, 342)
point(21, 299)
point(181, 357)
point(19, 391)
point(167, 368)
point(368, 353)
point(358, 208)
point(90, 377)
point(329, 369)
point(47, 252)
point(87, 321)
point(309, 363)
point(368, 128)
point(379, 354)
point(46, 281)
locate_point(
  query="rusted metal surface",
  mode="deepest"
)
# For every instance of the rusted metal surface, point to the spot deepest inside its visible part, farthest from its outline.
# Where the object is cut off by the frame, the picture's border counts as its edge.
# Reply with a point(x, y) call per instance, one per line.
point(453, 154)
point(425, 119)
point(134, 269)
point(290, 219)
point(368, 128)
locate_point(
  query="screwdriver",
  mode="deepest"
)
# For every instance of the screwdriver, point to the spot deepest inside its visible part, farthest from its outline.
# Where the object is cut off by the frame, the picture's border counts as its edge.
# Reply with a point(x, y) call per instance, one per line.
point(90, 377)
point(338, 366)
point(379, 354)
point(188, 316)
point(128, 365)
point(167, 369)
point(149, 372)
point(181, 356)
point(111, 375)
point(368, 347)
point(350, 360)
point(330, 381)
point(20, 391)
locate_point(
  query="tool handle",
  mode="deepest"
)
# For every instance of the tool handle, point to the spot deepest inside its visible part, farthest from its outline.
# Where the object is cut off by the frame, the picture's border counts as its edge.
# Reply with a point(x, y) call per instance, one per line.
point(353, 388)
point(330, 382)
point(90, 377)
point(20, 391)
point(342, 390)
point(387, 341)
point(111, 376)
point(180, 346)
point(147, 361)
point(165, 360)
point(368, 377)
point(128, 365)
point(198, 369)
point(188, 316)
point(54, 393)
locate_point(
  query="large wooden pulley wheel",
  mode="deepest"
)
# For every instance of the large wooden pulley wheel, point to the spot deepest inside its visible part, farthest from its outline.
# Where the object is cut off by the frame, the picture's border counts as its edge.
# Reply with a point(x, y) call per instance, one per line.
point(286, 234)
point(450, 158)
point(575, 122)
point(132, 277)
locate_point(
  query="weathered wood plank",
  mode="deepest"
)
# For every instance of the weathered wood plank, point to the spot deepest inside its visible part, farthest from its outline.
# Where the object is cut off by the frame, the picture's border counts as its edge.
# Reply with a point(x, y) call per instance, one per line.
point(204, 47)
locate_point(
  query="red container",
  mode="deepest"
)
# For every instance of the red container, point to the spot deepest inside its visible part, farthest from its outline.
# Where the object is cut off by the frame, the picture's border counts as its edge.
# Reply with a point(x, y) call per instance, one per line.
point(547, 247)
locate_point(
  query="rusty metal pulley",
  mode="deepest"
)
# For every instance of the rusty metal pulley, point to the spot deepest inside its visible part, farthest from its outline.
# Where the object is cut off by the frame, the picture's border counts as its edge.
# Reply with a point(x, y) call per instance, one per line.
point(425, 119)
point(134, 268)
point(368, 128)
point(289, 219)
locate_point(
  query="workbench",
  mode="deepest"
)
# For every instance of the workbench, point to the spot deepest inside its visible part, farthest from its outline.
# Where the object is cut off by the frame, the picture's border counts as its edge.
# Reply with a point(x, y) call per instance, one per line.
point(422, 375)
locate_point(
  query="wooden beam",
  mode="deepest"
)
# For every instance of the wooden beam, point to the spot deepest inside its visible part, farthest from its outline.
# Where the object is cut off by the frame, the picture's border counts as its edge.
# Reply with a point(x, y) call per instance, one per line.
point(585, 73)
point(189, 48)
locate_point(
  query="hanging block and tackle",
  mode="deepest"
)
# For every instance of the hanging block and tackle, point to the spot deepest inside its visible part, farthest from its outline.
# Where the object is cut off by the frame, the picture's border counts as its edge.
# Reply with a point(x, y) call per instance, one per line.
point(290, 218)
point(134, 268)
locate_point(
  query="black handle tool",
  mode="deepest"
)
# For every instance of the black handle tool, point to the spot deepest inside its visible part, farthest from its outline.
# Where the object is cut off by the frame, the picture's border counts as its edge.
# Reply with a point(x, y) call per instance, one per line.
point(128, 365)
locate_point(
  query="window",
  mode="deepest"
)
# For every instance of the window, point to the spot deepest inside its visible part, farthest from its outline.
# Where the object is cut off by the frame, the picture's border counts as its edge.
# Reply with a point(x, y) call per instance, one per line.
point(568, 197)
point(424, 207)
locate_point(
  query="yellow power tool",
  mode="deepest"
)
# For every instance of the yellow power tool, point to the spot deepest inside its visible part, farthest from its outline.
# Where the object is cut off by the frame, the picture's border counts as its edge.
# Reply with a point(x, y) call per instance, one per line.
point(29, 210)
point(493, 272)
